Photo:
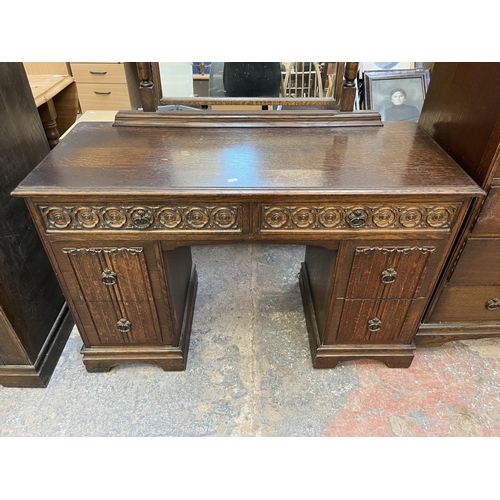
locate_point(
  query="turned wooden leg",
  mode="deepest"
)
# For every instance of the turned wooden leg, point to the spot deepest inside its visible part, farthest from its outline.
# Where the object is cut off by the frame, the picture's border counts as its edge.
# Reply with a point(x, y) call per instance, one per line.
point(48, 116)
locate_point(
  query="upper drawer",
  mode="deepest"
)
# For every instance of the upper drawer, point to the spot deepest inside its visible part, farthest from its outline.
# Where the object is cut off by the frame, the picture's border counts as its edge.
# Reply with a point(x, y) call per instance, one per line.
point(99, 72)
point(105, 274)
point(477, 264)
point(488, 223)
point(390, 272)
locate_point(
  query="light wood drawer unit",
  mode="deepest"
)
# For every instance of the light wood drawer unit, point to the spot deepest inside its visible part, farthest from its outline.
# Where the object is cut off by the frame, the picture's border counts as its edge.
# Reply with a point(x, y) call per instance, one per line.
point(107, 86)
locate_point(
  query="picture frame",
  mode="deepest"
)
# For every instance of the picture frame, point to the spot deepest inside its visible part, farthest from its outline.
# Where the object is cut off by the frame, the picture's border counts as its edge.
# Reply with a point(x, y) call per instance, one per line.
point(398, 95)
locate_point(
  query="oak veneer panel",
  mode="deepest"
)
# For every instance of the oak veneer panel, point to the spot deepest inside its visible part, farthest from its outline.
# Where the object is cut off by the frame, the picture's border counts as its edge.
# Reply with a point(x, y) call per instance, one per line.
point(320, 263)
point(178, 266)
point(285, 160)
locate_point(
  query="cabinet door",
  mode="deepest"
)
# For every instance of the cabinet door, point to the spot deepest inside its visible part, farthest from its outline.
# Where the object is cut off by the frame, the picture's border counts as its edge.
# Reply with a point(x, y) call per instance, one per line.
point(111, 290)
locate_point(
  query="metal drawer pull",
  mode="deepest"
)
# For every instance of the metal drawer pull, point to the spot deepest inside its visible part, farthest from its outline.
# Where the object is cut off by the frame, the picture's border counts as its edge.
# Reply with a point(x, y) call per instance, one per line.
point(123, 325)
point(374, 325)
point(389, 276)
point(493, 304)
point(98, 72)
point(102, 93)
point(108, 277)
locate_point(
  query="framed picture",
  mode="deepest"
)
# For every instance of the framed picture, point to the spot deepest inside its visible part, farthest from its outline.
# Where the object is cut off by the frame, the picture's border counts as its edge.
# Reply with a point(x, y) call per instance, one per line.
point(398, 95)
point(376, 66)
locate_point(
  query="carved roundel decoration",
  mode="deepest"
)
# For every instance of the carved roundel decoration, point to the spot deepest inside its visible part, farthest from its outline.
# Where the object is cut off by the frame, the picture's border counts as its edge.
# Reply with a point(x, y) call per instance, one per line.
point(384, 217)
point(169, 217)
point(197, 218)
point(87, 218)
point(114, 218)
point(357, 217)
point(58, 218)
point(303, 217)
point(224, 218)
point(330, 217)
point(411, 217)
point(276, 218)
point(438, 217)
point(142, 218)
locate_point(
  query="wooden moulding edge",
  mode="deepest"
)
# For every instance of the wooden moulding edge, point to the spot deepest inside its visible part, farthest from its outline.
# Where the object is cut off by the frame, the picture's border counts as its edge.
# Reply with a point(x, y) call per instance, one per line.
point(208, 118)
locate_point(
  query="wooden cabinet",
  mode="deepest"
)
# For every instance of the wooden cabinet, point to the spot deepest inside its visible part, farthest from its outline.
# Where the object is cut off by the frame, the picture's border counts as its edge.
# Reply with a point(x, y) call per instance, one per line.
point(106, 86)
point(377, 206)
point(34, 319)
point(462, 113)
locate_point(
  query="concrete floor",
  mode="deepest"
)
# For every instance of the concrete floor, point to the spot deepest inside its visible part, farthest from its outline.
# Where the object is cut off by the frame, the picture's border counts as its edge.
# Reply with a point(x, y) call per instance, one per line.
point(249, 373)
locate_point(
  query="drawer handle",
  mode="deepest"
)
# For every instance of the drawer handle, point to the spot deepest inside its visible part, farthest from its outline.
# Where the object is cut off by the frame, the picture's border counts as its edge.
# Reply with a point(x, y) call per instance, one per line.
point(102, 93)
point(493, 304)
point(141, 219)
point(123, 325)
point(389, 276)
point(374, 325)
point(357, 218)
point(108, 277)
point(98, 72)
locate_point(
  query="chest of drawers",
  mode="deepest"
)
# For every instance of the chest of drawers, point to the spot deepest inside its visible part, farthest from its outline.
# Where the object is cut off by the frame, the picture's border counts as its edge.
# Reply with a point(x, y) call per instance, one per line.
point(106, 86)
point(118, 208)
point(466, 303)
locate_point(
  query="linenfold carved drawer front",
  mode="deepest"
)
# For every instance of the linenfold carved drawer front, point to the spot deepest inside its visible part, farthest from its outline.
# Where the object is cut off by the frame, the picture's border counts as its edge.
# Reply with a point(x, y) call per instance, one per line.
point(209, 218)
point(110, 287)
point(388, 272)
point(327, 217)
point(378, 321)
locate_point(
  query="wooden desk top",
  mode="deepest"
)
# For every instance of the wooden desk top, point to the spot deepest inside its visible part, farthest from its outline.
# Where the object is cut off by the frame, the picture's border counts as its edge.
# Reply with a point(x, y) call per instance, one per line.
point(45, 87)
point(98, 159)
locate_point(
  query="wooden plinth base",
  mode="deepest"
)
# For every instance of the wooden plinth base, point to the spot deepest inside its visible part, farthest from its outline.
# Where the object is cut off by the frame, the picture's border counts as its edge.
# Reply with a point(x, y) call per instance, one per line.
point(435, 335)
point(328, 356)
point(171, 358)
point(39, 374)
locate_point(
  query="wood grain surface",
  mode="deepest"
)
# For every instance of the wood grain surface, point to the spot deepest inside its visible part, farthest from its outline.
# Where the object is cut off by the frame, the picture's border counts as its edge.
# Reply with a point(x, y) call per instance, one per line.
point(98, 158)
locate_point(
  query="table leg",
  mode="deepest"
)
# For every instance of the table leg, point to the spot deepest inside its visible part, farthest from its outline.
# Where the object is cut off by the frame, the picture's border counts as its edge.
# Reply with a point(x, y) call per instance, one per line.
point(48, 116)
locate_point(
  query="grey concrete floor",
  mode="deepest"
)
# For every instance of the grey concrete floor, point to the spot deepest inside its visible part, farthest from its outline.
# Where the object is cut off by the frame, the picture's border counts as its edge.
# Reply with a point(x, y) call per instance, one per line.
point(249, 370)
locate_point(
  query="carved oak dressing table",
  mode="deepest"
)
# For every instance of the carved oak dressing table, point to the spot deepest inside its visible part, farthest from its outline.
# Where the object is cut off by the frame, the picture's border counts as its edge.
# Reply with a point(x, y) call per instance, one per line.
point(119, 206)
